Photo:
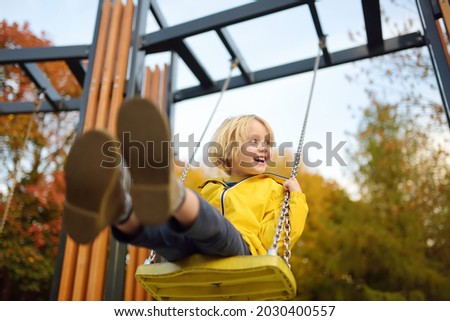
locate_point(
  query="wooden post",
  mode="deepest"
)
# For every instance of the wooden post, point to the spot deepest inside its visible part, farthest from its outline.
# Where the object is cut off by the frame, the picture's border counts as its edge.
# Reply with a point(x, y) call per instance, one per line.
point(71, 266)
point(97, 269)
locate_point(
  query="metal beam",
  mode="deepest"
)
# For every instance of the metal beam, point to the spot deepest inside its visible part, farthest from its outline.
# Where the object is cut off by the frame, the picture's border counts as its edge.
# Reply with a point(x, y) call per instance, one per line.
point(320, 34)
point(437, 53)
point(116, 270)
point(183, 50)
point(235, 54)
point(39, 54)
point(193, 64)
point(43, 83)
point(78, 70)
point(46, 107)
point(137, 57)
point(349, 55)
point(372, 20)
point(162, 39)
point(157, 14)
point(173, 71)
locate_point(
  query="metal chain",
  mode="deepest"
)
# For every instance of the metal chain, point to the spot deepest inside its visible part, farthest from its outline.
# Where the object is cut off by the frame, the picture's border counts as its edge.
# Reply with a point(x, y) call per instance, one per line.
point(151, 258)
point(37, 107)
point(284, 221)
point(234, 63)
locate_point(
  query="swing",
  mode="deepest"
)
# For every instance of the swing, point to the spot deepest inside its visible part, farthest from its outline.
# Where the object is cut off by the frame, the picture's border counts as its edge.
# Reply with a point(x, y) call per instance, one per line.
point(200, 277)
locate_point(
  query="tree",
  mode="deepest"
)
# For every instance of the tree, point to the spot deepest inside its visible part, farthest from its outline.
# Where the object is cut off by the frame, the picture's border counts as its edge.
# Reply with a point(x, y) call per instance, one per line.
point(405, 186)
point(403, 172)
point(28, 242)
point(393, 243)
point(316, 262)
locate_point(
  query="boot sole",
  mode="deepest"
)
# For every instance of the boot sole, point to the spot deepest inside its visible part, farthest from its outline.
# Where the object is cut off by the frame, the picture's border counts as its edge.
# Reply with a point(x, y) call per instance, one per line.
point(145, 137)
point(94, 192)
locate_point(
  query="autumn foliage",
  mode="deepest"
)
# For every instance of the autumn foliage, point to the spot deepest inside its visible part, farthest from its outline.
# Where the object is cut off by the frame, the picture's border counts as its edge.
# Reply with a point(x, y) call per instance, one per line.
point(30, 236)
point(390, 242)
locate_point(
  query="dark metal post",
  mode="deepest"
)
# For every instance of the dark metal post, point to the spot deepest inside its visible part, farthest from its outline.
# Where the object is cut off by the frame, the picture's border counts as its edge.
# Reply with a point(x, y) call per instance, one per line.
point(173, 70)
point(437, 54)
point(137, 56)
point(116, 271)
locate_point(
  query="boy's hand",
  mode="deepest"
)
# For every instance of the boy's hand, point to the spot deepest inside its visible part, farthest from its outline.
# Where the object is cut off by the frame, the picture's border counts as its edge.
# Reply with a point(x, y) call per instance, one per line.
point(292, 185)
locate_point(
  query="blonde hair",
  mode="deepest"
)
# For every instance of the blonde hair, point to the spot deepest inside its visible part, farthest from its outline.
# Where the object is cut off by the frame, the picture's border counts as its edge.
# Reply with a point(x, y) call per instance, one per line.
point(232, 130)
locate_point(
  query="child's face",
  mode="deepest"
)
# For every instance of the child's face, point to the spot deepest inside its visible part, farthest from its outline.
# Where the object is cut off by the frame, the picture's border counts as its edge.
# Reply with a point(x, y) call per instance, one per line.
point(254, 153)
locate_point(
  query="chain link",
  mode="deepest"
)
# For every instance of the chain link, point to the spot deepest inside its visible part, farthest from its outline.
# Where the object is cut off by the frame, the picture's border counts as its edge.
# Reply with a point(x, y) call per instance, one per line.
point(151, 258)
point(284, 220)
point(234, 64)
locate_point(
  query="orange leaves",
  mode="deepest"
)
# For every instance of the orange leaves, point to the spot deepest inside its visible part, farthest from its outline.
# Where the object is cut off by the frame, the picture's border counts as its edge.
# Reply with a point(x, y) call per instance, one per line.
point(16, 86)
point(13, 36)
point(28, 246)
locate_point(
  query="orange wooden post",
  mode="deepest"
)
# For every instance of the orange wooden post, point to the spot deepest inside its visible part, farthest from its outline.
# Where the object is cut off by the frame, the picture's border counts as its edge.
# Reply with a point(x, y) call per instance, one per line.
point(121, 67)
point(443, 41)
point(137, 255)
point(84, 256)
point(109, 66)
point(81, 273)
point(147, 83)
point(155, 87)
point(68, 270)
point(445, 9)
point(71, 253)
point(100, 248)
point(97, 267)
point(91, 106)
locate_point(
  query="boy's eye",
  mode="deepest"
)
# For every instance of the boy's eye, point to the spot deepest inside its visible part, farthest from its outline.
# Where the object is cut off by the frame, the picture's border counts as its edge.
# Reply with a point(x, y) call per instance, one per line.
point(255, 142)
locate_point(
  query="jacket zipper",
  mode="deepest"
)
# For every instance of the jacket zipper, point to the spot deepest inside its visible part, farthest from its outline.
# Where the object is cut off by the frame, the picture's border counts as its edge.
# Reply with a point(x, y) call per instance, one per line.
point(222, 200)
point(226, 188)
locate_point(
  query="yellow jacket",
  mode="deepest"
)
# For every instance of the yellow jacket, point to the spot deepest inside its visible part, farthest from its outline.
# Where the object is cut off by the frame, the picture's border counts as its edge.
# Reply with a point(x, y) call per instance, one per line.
point(253, 206)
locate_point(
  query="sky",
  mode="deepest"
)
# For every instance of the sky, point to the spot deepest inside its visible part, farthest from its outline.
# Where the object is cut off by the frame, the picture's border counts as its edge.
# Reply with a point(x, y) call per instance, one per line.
point(280, 38)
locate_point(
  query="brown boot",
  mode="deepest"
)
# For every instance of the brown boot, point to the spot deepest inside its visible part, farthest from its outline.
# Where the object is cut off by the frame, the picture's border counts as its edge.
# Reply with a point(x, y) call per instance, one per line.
point(145, 138)
point(95, 195)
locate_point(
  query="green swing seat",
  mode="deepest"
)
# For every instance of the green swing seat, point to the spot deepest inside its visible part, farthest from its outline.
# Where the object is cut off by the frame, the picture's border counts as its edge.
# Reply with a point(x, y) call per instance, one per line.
point(199, 277)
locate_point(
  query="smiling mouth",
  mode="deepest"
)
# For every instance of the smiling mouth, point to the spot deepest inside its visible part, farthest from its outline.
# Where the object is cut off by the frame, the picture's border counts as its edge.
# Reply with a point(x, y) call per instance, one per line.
point(260, 159)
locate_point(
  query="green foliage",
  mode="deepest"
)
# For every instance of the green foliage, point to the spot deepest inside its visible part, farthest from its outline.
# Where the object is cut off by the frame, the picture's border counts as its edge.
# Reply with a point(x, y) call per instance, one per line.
point(390, 244)
point(394, 242)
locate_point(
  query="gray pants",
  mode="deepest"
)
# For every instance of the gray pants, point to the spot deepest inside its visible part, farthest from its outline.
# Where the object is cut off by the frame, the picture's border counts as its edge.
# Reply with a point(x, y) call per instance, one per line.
point(211, 234)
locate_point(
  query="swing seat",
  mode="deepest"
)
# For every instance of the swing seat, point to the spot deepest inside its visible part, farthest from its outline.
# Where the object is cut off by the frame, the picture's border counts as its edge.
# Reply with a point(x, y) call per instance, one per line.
point(200, 277)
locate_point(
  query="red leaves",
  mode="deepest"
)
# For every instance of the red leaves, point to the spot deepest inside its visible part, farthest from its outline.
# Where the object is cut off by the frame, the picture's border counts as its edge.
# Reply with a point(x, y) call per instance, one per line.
point(28, 245)
point(48, 191)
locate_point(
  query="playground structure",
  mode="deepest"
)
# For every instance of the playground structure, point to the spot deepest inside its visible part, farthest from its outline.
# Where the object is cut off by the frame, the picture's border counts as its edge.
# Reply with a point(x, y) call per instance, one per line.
point(100, 270)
